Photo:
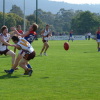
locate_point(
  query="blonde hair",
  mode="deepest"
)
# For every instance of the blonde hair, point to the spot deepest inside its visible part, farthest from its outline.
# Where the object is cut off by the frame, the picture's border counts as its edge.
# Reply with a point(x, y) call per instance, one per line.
point(34, 26)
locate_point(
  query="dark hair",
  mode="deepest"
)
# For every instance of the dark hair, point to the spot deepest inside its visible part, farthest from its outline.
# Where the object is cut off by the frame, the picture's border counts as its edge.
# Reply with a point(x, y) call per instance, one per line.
point(3, 28)
point(15, 38)
point(34, 26)
point(18, 26)
point(47, 25)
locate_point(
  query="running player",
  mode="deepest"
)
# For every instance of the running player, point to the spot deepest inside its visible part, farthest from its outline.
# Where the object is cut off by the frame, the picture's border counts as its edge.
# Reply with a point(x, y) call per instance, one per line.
point(27, 52)
point(45, 34)
point(98, 39)
point(4, 39)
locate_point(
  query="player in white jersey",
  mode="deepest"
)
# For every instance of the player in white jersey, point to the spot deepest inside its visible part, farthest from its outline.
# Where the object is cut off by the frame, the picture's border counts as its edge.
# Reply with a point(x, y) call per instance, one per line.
point(45, 34)
point(28, 53)
point(4, 39)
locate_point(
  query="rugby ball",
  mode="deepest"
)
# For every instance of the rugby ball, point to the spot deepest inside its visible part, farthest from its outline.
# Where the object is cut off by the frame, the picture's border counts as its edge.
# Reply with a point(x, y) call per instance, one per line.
point(66, 45)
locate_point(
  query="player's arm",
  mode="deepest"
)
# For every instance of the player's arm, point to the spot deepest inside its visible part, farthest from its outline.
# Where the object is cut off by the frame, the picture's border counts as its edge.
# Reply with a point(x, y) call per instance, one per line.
point(17, 46)
point(42, 33)
point(22, 32)
point(22, 35)
point(50, 33)
point(9, 38)
point(4, 42)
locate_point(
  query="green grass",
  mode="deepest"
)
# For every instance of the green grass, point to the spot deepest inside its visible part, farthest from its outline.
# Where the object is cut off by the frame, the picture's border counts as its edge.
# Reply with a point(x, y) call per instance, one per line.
point(62, 75)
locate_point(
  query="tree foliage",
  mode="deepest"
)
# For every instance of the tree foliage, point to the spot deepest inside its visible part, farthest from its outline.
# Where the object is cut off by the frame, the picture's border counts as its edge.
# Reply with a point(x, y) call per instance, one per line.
point(63, 21)
point(85, 22)
point(16, 10)
point(12, 19)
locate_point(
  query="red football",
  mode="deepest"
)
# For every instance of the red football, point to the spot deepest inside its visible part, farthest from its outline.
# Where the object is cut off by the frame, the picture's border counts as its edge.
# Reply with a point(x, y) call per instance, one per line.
point(66, 45)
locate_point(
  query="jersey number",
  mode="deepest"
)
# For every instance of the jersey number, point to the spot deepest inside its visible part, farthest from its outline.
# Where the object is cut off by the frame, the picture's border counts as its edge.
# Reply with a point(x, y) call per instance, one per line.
point(24, 43)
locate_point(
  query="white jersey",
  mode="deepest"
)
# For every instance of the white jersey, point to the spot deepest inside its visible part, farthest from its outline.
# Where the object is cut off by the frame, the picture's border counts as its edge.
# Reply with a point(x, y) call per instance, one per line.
point(6, 38)
point(89, 34)
point(46, 33)
point(25, 45)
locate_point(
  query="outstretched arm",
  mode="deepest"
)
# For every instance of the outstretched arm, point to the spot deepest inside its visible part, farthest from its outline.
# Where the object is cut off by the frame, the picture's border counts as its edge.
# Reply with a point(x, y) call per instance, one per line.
point(22, 35)
point(17, 47)
point(4, 42)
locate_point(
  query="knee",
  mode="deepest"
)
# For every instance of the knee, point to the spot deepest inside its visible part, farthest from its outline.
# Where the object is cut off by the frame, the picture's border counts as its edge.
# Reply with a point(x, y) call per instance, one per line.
point(13, 55)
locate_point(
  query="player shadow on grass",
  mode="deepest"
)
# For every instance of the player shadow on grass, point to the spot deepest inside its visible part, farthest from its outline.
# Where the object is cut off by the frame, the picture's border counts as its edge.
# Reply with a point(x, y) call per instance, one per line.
point(89, 52)
point(44, 77)
point(4, 56)
point(7, 76)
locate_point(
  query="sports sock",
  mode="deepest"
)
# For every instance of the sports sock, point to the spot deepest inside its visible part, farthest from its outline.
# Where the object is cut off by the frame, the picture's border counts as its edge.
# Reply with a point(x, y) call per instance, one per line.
point(29, 66)
point(12, 70)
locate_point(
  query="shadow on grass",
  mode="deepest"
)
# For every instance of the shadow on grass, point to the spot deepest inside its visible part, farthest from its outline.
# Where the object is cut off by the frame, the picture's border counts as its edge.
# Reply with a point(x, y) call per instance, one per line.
point(4, 56)
point(7, 76)
point(38, 56)
point(89, 52)
point(44, 77)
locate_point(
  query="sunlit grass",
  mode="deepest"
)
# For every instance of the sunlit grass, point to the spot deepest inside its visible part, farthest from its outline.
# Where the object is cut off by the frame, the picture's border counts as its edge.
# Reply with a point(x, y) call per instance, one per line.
point(62, 75)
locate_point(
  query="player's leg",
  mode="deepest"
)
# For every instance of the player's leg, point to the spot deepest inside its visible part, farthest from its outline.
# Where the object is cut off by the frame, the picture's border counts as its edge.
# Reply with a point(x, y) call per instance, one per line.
point(12, 54)
point(28, 65)
point(68, 39)
point(43, 48)
point(21, 55)
point(23, 64)
point(15, 65)
point(47, 46)
point(72, 39)
point(98, 46)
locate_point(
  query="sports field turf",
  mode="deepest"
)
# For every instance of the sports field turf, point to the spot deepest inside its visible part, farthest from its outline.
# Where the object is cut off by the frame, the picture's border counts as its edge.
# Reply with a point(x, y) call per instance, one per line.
point(62, 75)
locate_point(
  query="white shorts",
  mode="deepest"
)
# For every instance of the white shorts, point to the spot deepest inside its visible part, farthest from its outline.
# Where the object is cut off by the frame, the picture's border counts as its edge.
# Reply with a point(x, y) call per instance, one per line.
point(98, 40)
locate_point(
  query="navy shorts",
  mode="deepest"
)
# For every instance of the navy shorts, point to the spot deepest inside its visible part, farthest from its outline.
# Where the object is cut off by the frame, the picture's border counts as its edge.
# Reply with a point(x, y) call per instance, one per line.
point(29, 56)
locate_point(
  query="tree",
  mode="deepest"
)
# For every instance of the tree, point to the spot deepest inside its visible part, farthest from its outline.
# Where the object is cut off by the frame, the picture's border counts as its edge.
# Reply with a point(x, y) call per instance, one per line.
point(17, 10)
point(64, 18)
point(12, 20)
point(85, 22)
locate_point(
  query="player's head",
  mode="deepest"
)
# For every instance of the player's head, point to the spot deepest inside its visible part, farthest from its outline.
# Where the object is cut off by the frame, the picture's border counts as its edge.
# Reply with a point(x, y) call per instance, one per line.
point(15, 39)
point(47, 26)
point(33, 27)
point(4, 29)
point(18, 27)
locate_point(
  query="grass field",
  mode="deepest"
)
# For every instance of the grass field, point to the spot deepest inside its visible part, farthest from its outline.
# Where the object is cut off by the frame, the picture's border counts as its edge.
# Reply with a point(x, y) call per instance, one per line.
point(62, 75)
